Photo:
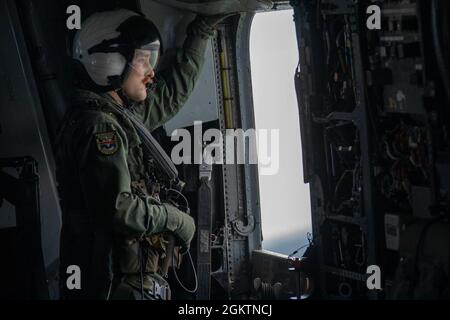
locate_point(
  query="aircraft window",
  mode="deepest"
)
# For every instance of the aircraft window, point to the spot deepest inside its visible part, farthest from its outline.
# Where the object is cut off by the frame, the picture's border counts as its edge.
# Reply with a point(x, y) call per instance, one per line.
point(285, 201)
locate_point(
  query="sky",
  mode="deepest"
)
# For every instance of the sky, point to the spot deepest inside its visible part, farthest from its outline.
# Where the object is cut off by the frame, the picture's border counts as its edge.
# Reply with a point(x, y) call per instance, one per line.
point(285, 202)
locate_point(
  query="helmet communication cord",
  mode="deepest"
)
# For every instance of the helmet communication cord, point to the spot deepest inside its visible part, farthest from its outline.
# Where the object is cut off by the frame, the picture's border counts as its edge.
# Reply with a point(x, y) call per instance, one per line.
point(195, 275)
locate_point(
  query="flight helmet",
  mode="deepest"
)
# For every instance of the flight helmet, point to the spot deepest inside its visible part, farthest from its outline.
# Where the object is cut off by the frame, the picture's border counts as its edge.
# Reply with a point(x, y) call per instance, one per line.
point(104, 47)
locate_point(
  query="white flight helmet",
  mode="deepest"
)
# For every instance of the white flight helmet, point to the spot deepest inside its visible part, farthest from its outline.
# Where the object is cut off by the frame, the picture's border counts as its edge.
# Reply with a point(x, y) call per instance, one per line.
point(104, 47)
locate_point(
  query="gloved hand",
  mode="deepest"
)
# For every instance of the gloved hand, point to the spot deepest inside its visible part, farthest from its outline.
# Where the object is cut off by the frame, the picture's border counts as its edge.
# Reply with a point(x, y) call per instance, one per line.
point(182, 225)
point(213, 20)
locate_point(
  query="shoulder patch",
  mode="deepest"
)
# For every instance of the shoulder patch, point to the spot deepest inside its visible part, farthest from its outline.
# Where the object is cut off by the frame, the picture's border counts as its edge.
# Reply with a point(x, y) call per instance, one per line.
point(107, 142)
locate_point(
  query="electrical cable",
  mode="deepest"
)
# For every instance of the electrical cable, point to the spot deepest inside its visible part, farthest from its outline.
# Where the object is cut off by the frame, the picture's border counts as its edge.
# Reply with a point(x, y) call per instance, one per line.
point(188, 252)
point(310, 241)
point(195, 275)
point(182, 195)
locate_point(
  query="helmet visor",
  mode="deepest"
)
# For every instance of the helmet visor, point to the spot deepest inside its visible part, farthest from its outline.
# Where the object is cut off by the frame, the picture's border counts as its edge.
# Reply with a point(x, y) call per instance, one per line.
point(146, 59)
point(154, 47)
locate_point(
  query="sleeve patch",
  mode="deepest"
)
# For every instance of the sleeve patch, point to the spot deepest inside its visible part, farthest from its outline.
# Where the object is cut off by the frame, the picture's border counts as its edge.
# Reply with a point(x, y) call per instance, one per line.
point(107, 142)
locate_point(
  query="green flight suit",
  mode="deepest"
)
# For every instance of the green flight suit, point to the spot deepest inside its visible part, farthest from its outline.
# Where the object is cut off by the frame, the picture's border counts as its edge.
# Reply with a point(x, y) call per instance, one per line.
point(100, 168)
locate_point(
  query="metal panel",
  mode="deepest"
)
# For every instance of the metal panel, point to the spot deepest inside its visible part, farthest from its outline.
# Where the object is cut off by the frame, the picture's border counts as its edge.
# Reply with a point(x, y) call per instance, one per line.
point(20, 108)
point(202, 104)
point(219, 6)
point(252, 205)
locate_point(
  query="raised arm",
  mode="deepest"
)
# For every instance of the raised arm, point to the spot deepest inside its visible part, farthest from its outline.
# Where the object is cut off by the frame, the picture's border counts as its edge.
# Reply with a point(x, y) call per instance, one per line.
point(174, 85)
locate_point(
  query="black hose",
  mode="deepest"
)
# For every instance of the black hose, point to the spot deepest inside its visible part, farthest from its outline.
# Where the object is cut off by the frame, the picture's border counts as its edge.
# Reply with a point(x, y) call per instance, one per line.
point(53, 103)
point(419, 248)
point(141, 268)
point(11, 189)
point(440, 60)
